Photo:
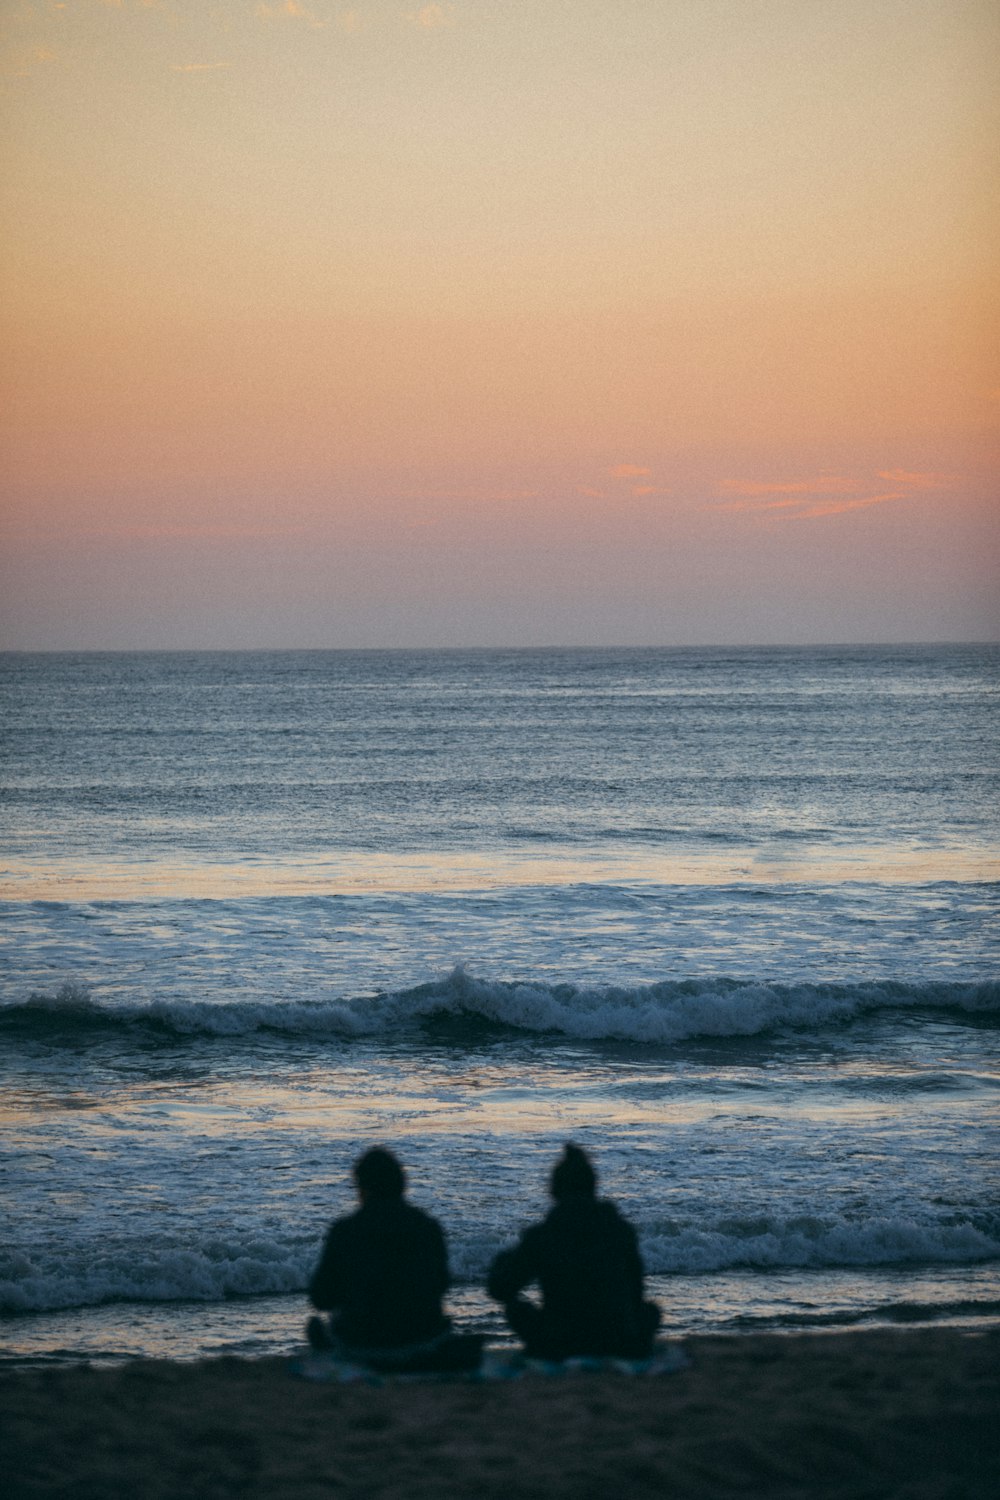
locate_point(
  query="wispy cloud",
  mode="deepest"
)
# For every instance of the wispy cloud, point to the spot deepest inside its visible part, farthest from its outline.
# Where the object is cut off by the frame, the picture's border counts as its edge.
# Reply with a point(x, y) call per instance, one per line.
point(626, 472)
point(917, 480)
point(825, 484)
point(629, 471)
point(838, 507)
point(479, 494)
point(23, 64)
point(203, 533)
point(289, 10)
point(824, 494)
point(430, 17)
point(198, 67)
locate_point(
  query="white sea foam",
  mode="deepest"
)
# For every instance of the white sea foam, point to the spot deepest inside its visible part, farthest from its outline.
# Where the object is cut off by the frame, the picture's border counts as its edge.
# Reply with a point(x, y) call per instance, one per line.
point(796, 845)
point(666, 1012)
point(815, 1243)
point(32, 1282)
point(265, 1265)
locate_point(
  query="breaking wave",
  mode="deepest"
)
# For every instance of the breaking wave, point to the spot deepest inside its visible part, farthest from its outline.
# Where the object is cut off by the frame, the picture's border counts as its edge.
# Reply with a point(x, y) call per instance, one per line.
point(668, 1011)
point(264, 1265)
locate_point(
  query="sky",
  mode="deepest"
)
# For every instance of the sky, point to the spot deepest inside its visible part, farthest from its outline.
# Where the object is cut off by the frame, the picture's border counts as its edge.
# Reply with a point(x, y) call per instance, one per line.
point(501, 322)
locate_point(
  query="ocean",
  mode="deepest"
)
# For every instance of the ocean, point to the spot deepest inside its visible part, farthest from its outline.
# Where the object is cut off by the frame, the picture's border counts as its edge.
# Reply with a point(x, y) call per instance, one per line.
point(725, 917)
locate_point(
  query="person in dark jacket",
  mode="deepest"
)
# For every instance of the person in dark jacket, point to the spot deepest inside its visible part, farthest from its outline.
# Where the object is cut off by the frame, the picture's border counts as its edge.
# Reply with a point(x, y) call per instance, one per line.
point(382, 1274)
point(585, 1258)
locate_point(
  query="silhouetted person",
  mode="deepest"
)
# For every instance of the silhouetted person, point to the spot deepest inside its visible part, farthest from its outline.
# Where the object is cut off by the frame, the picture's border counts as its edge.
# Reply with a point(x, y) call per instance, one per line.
point(383, 1273)
point(585, 1258)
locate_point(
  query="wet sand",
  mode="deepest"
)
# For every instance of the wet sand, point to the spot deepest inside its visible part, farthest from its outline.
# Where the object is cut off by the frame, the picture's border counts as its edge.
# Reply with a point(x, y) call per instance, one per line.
point(911, 1413)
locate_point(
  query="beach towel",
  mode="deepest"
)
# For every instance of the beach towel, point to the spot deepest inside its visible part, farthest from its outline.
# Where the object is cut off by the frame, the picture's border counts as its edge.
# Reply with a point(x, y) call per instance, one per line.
point(495, 1365)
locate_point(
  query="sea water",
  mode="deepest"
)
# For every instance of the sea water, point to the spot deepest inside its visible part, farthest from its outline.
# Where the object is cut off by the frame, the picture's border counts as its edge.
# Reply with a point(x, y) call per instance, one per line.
point(725, 917)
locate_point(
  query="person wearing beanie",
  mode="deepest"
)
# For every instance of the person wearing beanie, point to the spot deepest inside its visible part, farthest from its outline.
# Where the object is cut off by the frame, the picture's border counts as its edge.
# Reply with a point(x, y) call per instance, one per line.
point(585, 1258)
point(383, 1273)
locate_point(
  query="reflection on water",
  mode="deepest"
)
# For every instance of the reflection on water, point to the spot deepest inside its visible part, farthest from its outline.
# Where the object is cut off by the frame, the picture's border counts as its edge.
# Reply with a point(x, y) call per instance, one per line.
point(267, 909)
point(360, 872)
point(259, 1327)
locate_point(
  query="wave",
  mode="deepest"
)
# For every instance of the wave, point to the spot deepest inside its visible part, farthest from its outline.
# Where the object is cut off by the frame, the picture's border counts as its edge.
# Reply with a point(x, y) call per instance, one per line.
point(971, 1309)
point(667, 1011)
point(817, 1243)
point(133, 1272)
point(219, 1268)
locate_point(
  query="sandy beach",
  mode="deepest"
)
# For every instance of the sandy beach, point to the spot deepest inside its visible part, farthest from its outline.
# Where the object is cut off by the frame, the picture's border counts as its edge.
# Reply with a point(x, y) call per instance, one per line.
point(874, 1413)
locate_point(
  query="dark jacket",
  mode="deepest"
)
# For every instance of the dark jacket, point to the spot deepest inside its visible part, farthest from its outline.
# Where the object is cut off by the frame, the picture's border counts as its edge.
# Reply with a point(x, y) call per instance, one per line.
point(384, 1270)
point(585, 1258)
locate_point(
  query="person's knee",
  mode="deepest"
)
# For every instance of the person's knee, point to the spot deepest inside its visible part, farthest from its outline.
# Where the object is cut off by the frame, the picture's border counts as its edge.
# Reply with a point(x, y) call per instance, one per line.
point(529, 1323)
point(318, 1333)
point(523, 1317)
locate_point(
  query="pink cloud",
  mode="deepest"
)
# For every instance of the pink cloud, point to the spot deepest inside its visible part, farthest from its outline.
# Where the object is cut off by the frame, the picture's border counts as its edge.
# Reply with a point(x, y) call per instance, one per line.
point(918, 480)
point(838, 507)
point(629, 471)
point(430, 17)
point(801, 499)
point(216, 533)
point(290, 10)
point(758, 506)
point(470, 492)
point(800, 509)
point(824, 484)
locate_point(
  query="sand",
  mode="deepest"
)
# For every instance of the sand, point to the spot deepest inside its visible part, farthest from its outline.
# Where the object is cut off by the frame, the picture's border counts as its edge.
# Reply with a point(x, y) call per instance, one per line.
point(875, 1413)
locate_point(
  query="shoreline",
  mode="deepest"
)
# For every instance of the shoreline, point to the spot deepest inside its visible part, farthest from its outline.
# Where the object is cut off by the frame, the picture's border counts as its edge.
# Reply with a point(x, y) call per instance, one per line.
point(964, 1297)
point(876, 1412)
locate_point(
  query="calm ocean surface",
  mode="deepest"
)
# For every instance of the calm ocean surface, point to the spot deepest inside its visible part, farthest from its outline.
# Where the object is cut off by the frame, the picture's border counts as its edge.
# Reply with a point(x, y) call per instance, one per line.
point(726, 917)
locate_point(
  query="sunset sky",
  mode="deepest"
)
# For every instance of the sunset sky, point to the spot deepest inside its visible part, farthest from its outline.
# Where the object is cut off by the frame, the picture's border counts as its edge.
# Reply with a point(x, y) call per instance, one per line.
point(499, 322)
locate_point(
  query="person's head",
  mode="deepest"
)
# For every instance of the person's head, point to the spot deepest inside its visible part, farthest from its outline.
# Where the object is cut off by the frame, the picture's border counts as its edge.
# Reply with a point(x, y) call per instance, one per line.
point(572, 1173)
point(377, 1174)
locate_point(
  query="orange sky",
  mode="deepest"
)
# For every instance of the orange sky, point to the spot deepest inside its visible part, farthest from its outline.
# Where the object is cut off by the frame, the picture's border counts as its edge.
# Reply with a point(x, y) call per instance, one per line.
point(507, 322)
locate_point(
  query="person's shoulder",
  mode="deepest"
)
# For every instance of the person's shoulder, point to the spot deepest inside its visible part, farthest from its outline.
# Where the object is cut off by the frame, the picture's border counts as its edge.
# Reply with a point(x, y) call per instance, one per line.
point(420, 1216)
point(343, 1224)
point(341, 1231)
point(531, 1242)
point(563, 1218)
point(613, 1217)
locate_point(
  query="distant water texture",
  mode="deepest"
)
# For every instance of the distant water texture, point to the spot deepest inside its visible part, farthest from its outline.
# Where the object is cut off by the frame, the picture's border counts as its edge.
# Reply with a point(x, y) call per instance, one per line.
point(725, 917)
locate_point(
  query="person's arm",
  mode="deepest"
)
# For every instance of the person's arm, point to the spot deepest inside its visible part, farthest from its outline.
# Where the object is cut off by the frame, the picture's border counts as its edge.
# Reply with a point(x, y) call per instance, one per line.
point(440, 1258)
point(326, 1286)
point(633, 1262)
point(513, 1270)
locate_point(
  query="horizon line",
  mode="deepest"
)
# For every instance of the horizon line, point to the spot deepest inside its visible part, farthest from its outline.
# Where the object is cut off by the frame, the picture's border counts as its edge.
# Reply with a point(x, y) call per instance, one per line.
point(841, 645)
